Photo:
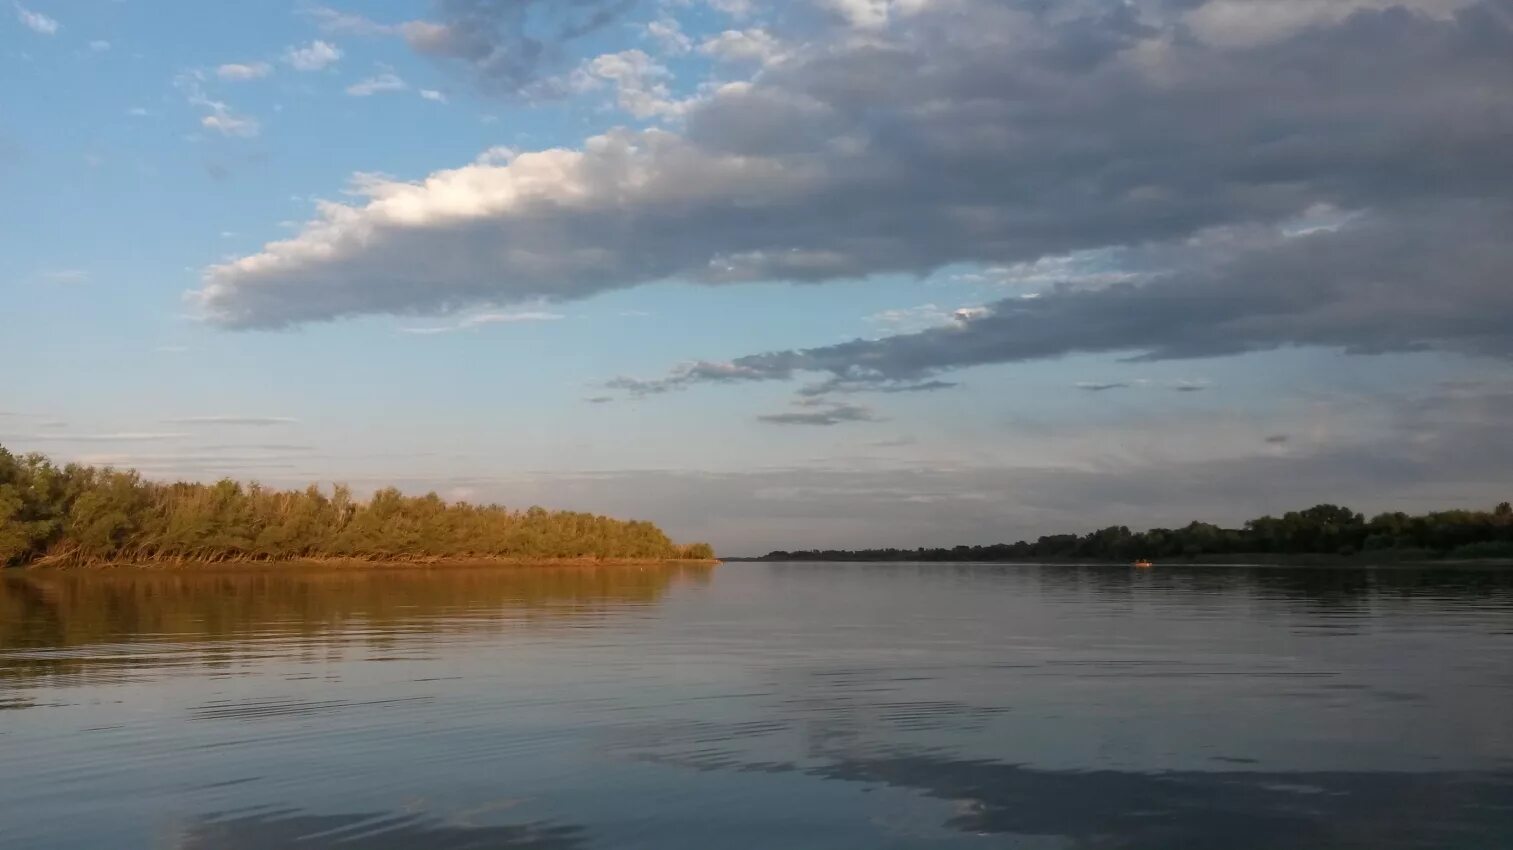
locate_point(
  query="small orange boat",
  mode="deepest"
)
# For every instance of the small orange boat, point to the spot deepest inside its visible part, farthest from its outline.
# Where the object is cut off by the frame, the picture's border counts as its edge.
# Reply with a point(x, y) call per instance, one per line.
point(1143, 564)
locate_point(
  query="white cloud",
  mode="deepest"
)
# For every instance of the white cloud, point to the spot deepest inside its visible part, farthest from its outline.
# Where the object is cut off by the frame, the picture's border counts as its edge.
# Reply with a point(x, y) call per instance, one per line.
point(36, 21)
point(640, 83)
point(138, 112)
point(99, 45)
point(734, 8)
point(323, 258)
point(228, 124)
point(497, 155)
point(482, 319)
point(332, 20)
point(925, 316)
point(314, 56)
point(240, 71)
point(669, 36)
point(749, 45)
point(433, 95)
point(385, 82)
point(219, 116)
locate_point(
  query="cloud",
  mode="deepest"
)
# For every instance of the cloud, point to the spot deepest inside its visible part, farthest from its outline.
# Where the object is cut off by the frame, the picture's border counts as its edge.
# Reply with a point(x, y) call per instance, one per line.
point(508, 46)
point(218, 115)
point(238, 71)
point(1277, 439)
point(970, 133)
point(641, 84)
point(315, 56)
point(138, 112)
point(738, 9)
point(433, 95)
point(923, 316)
point(669, 36)
point(842, 386)
point(332, 20)
point(866, 14)
point(599, 399)
point(259, 421)
point(99, 45)
point(823, 414)
point(1098, 388)
point(36, 21)
point(1431, 280)
point(482, 319)
point(385, 82)
point(228, 124)
point(748, 45)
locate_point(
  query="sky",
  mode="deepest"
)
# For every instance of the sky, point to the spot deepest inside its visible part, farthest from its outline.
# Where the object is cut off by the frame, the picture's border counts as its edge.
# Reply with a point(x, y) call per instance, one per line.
point(818, 273)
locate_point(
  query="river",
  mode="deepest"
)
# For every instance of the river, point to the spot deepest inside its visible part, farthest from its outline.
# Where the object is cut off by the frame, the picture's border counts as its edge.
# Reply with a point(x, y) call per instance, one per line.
point(758, 705)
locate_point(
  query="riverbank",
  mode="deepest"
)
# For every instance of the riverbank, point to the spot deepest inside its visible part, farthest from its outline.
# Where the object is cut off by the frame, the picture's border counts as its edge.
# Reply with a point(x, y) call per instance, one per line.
point(349, 563)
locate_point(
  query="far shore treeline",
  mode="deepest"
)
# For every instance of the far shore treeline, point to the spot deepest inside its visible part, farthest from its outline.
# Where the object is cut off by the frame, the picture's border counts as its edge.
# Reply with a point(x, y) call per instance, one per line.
point(1324, 530)
point(80, 515)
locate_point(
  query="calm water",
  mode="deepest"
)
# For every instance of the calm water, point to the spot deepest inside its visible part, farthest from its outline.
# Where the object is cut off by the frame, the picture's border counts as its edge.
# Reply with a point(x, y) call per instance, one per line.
point(758, 706)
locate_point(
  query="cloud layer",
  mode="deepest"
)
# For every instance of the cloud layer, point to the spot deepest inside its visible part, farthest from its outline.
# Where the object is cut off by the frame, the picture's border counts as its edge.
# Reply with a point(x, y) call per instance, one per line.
point(1014, 135)
point(1438, 279)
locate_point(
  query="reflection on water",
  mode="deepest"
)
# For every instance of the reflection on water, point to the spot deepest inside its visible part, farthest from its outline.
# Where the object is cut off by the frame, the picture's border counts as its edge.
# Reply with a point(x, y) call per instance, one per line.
point(204, 614)
point(758, 705)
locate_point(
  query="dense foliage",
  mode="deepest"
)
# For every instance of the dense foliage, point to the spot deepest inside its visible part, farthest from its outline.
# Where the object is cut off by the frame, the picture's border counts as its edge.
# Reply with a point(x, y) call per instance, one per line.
point(83, 514)
point(1320, 530)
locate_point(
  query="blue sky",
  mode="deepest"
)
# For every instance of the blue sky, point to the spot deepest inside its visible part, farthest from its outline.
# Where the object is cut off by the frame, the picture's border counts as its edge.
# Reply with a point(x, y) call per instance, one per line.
point(1109, 263)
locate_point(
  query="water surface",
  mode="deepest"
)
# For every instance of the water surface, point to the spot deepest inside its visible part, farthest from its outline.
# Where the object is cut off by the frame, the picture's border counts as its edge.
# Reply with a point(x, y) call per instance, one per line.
point(758, 706)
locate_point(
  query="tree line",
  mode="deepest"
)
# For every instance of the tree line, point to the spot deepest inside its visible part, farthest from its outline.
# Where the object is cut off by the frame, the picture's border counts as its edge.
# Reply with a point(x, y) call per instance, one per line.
point(77, 514)
point(1320, 530)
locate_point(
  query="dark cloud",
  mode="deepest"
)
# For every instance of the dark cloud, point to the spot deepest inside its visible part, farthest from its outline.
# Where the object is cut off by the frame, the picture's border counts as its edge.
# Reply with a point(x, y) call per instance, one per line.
point(822, 413)
point(1278, 439)
point(841, 386)
point(979, 131)
point(1099, 388)
point(1436, 277)
point(508, 45)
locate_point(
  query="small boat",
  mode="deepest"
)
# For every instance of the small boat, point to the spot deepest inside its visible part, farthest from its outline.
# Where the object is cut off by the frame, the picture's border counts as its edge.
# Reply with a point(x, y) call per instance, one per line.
point(1143, 564)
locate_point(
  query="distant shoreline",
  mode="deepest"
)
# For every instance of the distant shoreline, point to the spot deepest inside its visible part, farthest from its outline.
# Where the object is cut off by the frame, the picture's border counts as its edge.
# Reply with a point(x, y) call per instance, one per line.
point(1259, 559)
